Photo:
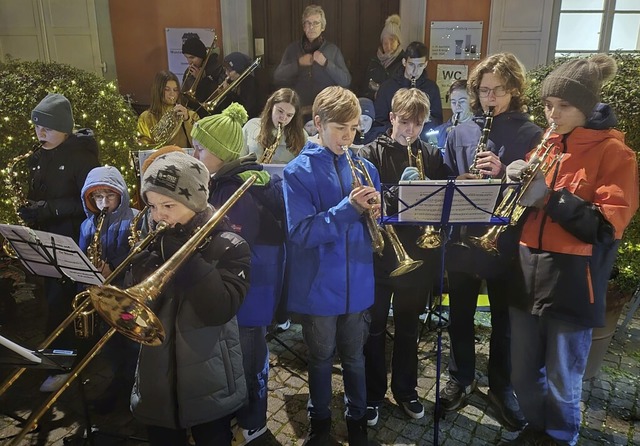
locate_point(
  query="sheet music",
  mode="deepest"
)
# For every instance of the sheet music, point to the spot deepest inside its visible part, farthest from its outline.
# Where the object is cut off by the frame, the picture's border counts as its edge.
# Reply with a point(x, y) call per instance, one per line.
point(481, 196)
point(51, 255)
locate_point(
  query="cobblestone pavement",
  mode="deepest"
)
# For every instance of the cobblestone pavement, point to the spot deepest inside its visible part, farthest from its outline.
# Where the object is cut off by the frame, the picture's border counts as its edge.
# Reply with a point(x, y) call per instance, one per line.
point(610, 400)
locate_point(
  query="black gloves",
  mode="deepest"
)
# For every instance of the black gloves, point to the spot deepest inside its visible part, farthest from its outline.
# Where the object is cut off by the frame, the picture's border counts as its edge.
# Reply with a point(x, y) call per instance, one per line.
point(35, 212)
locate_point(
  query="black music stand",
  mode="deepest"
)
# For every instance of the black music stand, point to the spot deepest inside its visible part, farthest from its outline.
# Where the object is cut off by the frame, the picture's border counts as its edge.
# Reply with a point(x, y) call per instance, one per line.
point(445, 203)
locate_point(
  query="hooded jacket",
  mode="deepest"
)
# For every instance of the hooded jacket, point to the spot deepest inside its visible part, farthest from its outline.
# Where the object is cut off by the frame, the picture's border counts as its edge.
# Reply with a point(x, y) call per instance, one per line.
point(258, 216)
point(329, 254)
point(395, 83)
point(391, 158)
point(196, 375)
point(114, 236)
point(512, 136)
point(57, 177)
point(569, 246)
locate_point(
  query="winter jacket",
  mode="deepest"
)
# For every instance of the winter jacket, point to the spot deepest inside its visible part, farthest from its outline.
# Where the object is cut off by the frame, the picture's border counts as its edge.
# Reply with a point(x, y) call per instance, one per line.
point(114, 237)
point(258, 216)
point(146, 122)
point(378, 73)
point(569, 246)
point(391, 86)
point(512, 136)
point(57, 176)
point(212, 77)
point(391, 158)
point(309, 81)
point(250, 132)
point(246, 94)
point(196, 375)
point(329, 254)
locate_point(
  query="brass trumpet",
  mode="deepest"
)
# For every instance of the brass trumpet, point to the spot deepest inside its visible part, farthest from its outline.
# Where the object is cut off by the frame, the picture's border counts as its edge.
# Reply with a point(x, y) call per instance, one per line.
point(405, 263)
point(431, 237)
point(542, 160)
point(218, 95)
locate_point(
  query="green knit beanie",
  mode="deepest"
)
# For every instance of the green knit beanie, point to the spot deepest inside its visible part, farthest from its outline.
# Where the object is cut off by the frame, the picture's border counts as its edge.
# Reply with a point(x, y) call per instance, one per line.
point(222, 134)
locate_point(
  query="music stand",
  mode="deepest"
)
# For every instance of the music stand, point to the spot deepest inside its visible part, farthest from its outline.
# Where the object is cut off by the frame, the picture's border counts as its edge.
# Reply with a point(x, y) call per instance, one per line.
point(445, 203)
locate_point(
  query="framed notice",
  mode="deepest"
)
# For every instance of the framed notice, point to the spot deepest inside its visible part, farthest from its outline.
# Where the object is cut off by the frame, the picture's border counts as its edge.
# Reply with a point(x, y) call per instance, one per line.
point(176, 37)
point(446, 75)
point(455, 40)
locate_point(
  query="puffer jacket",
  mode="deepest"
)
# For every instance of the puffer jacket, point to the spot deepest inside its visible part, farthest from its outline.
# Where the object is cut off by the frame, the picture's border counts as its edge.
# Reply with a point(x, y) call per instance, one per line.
point(196, 375)
point(567, 249)
point(329, 254)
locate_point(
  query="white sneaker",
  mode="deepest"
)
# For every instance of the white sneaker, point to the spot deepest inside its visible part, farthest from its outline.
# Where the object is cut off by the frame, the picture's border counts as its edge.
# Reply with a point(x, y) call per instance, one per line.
point(54, 382)
point(283, 326)
point(244, 436)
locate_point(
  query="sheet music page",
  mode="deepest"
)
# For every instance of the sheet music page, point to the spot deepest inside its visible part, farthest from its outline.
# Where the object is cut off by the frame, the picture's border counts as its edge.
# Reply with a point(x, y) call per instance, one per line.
point(414, 206)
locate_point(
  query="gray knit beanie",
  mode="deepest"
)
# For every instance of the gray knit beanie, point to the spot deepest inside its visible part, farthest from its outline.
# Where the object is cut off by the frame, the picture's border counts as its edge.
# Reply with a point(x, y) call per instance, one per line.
point(180, 177)
point(579, 81)
point(54, 112)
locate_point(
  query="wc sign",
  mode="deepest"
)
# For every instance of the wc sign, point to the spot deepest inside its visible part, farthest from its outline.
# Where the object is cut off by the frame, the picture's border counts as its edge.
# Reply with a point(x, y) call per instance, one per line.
point(447, 75)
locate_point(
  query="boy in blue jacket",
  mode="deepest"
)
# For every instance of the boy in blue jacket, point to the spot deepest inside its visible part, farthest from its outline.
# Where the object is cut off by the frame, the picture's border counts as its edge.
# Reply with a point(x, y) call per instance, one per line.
point(258, 216)
point(330, 261)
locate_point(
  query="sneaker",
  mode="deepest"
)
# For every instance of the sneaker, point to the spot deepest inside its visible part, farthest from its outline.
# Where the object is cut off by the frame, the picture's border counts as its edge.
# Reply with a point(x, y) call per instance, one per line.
point(283, 326)
point(508, 409)
point(372, 415)
point(454, 396)
point(243, 436)
point(54, 382)
point(413, 408)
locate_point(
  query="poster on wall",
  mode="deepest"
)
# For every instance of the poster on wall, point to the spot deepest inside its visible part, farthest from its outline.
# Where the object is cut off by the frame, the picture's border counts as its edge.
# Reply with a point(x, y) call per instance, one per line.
point(455, 41)
point(176, 37)
point(447, 75)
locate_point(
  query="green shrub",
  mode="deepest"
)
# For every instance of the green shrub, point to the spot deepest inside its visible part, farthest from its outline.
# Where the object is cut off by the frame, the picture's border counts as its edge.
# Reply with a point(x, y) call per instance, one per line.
point(96, 104)
point(623, 94)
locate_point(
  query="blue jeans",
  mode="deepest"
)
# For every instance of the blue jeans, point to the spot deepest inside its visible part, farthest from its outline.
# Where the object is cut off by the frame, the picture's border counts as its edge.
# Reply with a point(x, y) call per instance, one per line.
point(549, 359)
point(324, 335)
point(408, 304)
point(255, 362)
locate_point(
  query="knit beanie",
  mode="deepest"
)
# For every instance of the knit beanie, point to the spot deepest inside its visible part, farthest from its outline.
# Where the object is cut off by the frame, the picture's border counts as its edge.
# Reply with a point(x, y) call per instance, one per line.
point(222, 134)
point(238, 62)
point(579, 81)
point(391, 28)
point(195, 47)
point(180, 177)
point(54, 112)
point(366, 105)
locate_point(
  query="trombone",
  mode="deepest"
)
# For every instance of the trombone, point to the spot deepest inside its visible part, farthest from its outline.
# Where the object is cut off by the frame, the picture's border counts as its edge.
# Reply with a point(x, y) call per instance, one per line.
point(191, 92)
point(128, 311)
point(218, 95)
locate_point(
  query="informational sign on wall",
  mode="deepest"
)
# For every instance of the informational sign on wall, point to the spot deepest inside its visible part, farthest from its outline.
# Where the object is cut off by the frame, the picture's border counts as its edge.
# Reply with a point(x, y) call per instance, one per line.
point(455, 40)
point(176, 37)
point(447, 75)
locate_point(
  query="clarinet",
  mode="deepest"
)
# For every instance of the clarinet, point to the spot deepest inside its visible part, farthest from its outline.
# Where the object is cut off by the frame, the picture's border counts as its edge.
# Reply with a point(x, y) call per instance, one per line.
point(482, 143)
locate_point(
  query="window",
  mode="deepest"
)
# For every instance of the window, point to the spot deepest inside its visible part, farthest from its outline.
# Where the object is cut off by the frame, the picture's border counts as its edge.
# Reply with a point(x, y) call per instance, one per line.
point(592, 26)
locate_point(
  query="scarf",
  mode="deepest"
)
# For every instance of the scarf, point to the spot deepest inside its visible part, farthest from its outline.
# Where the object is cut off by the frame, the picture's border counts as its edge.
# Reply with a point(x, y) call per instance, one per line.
point(312, 47)
point(387, 59)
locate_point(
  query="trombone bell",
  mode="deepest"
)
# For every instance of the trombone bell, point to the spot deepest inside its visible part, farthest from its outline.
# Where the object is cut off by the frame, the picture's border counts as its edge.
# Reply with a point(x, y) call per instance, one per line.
point(128, 314)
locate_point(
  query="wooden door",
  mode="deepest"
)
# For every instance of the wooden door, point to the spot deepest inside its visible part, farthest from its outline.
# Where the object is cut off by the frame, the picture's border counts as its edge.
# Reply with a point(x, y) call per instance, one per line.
point(353, 25)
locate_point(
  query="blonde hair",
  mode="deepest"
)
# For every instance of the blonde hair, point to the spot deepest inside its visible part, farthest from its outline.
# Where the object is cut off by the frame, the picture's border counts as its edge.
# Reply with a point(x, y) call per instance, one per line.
point(312, 10)
point(510, 70)
point(411, 103)
point(336, 104)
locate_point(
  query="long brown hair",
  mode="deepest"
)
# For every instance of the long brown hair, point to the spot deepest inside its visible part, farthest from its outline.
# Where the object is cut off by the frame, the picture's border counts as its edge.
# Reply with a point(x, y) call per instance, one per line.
point(293, 132)
point(157, 105)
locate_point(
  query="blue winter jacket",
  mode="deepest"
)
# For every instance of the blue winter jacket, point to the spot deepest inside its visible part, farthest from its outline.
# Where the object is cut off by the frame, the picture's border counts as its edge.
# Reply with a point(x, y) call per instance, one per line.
point(258, 216)
point(115, 231)
point(329, 255)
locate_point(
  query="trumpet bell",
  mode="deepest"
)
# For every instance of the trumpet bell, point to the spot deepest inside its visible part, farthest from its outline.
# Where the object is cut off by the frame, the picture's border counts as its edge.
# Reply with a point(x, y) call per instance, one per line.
point(430, 239)
point(128, 314)
point(406, 266)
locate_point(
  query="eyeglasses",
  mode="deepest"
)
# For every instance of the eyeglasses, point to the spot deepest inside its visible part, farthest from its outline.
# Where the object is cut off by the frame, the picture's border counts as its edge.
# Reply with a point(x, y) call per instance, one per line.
point(308, 24)
point(498, 91)
point(100, 197)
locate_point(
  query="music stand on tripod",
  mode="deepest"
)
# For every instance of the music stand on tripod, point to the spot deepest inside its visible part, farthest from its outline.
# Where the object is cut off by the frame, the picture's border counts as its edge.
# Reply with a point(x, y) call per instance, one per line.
point(445, 203)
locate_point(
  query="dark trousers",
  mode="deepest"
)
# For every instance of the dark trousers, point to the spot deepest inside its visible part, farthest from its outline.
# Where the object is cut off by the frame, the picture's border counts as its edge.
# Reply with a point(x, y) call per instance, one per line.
point(59, 295)
point(213, 433)
point(463, 299)
point(408, 304)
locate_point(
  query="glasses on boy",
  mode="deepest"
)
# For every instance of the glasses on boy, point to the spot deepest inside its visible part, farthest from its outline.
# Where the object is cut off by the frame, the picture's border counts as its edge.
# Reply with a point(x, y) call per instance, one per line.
point(110, 196)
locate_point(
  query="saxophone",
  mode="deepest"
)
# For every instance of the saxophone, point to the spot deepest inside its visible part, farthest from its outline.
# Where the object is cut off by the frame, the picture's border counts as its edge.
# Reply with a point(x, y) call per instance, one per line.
point(94, 250)
point(268, 153)
point(16, 193)
point(482, 142)
point(134, 233)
